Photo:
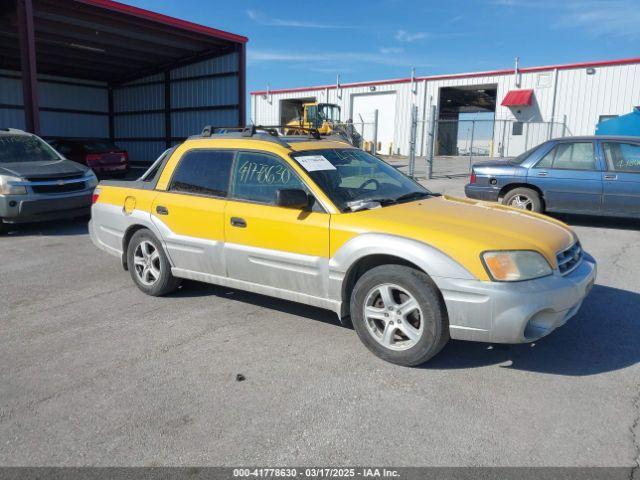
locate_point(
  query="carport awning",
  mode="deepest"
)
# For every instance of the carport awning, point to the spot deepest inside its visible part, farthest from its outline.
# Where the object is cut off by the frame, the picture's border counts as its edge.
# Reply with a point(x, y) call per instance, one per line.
point(518, 98)
point(106, 40)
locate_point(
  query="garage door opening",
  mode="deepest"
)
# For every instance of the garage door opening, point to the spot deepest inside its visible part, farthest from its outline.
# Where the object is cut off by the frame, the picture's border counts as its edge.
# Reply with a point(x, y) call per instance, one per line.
point(99, 69)
point(465, 121)
point(292, 108)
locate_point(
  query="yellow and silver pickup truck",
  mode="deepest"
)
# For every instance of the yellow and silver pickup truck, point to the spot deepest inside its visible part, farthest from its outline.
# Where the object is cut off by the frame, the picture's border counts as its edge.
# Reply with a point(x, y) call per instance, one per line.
point(320, 222)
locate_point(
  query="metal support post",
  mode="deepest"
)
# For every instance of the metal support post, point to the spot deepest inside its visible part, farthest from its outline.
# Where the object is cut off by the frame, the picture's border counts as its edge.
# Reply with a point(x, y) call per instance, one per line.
point(375, 133)
point(432, 142)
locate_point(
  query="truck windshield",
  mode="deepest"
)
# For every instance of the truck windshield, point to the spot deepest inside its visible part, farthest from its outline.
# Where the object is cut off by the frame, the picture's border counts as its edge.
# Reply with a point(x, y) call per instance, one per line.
point(330, 113)
point(25, 148)
point(354, 179)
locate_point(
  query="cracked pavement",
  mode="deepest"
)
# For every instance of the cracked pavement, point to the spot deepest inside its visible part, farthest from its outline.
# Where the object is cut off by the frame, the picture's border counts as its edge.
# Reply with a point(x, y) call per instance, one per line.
point(96, 373)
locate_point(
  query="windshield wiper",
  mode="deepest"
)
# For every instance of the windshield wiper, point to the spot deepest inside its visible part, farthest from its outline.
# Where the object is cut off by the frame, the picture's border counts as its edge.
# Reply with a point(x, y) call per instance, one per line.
point(412, 195)
point(403, 198)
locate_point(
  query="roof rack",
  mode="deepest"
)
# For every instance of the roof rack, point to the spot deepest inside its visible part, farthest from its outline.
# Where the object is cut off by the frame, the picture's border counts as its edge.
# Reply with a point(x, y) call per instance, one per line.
point(252, 130)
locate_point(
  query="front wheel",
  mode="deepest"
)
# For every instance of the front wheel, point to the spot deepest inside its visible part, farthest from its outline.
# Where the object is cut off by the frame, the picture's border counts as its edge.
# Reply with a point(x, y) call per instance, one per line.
point(149, 266)
point(524, 199)
point(399, 314)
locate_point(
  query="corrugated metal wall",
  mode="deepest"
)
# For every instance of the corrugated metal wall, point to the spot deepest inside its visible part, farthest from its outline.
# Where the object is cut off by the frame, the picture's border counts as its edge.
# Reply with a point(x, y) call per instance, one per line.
point(68, 107)
point(204, 93)
point(582, 98)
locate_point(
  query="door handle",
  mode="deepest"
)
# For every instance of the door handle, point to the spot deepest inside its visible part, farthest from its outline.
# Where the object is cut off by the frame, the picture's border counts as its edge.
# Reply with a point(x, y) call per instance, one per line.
point(238, 222)
point(610, 177)
point(162, 210)
point(542, 174)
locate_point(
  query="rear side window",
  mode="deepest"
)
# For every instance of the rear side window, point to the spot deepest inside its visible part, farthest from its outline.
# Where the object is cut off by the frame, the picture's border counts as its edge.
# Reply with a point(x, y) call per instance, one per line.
point(570, 156)
point(203, 172)
point(622, 157)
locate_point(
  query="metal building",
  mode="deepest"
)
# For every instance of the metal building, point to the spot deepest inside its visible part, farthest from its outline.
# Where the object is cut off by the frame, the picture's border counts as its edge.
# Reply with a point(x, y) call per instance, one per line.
point(102, 69)
point(522, 106)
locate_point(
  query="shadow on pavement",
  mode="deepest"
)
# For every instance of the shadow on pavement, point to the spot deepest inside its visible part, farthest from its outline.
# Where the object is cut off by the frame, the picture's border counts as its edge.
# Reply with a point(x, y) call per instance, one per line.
point(604, 336)
point(196, 289)
point(599, 222)
point(56, 227)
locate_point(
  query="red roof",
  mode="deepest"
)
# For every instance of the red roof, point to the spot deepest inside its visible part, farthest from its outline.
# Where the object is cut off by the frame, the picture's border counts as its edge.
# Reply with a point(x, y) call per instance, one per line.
point(164, 19)
point(567, 66)
point(517, 98)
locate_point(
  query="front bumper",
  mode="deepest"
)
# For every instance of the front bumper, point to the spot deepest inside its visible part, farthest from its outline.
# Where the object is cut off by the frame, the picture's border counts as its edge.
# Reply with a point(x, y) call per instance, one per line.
point(515, 312)
point(40, 208)
point(477, 192)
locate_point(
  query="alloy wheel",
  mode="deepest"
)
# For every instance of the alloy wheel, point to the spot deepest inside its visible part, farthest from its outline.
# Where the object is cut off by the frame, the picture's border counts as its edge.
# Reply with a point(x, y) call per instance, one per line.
point(146, 262)
point(393, 317)
point(522, 202)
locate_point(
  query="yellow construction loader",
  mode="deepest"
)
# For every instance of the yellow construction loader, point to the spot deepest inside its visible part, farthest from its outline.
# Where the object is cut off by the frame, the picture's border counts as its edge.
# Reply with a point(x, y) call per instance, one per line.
point(325, 118)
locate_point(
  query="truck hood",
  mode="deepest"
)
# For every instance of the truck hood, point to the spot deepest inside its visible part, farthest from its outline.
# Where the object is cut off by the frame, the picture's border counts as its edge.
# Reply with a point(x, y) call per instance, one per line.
point(463, 229)
point(45, 169)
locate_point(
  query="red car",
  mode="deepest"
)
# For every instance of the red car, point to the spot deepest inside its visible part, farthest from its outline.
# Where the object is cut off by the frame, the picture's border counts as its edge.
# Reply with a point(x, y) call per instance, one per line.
point(101, 156)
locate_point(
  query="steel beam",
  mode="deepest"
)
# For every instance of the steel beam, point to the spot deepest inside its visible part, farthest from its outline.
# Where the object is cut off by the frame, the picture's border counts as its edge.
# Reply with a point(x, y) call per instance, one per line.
point(28, 65)
point(242, 85)
point(112, 127)
point(167, 108)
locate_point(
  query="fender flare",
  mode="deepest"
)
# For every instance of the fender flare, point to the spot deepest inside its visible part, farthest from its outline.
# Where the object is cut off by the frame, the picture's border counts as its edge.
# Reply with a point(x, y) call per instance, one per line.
point(431, 260)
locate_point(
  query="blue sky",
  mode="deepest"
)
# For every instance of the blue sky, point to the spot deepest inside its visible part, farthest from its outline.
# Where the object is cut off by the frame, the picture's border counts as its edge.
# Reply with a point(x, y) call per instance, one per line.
point(307, 43)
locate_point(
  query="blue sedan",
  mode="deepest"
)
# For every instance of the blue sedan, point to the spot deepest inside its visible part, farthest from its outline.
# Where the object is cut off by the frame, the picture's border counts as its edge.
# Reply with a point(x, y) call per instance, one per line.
point(595, 175)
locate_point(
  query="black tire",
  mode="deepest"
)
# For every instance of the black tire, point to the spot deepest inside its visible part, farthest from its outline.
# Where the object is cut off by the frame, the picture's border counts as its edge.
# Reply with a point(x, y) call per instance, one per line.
point(435, 323)
point(3, 227)
point(527, 198)
point(164, 282)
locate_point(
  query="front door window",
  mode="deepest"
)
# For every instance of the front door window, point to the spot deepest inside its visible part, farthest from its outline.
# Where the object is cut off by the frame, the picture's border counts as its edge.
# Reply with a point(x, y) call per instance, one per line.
point(257, 177)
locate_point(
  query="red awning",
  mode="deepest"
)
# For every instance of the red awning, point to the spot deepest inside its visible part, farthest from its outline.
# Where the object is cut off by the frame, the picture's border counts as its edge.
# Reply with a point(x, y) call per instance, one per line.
point(518, 98)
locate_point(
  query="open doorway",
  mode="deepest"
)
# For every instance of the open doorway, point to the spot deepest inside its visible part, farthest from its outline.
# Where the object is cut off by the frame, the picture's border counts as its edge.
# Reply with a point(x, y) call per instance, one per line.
point(465, 121)
point(291, 108)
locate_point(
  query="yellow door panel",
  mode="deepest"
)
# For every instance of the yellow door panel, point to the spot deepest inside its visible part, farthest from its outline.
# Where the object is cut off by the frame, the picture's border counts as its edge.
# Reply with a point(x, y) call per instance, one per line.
point(277, 228)
point(283, 248)
point(192, 229)
point(191, 215)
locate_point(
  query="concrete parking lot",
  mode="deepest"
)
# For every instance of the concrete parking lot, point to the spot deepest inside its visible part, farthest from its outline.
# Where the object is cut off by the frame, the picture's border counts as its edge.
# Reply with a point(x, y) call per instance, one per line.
point(96, 373)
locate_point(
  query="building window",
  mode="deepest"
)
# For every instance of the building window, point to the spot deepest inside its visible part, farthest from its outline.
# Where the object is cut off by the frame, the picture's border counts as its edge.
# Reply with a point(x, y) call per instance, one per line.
point(517, 128)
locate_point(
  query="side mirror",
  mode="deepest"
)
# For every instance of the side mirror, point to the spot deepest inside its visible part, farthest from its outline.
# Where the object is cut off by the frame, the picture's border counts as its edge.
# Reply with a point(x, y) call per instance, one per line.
point(292, 198)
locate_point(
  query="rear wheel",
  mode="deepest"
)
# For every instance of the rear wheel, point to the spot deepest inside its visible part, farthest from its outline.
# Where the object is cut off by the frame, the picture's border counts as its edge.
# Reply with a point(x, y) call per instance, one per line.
point(524, 199)
point(399, 315)
point(149, 266)
point(3, 227)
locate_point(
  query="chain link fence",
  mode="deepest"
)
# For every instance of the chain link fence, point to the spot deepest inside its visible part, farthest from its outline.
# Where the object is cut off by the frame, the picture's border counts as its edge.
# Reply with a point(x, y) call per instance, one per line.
point(448, 148)
point(440, 148)
point(367, 127)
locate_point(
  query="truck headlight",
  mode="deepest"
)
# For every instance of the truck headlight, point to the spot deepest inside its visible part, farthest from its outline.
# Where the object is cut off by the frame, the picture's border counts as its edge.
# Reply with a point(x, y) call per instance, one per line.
point(7, 186)
point(515, 265)
point(91, 179)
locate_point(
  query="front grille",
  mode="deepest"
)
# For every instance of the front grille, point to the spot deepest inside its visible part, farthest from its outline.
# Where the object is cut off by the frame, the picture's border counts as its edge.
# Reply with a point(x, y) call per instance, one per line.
point(569, 259)
point(64, 188)
point(63, 176)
